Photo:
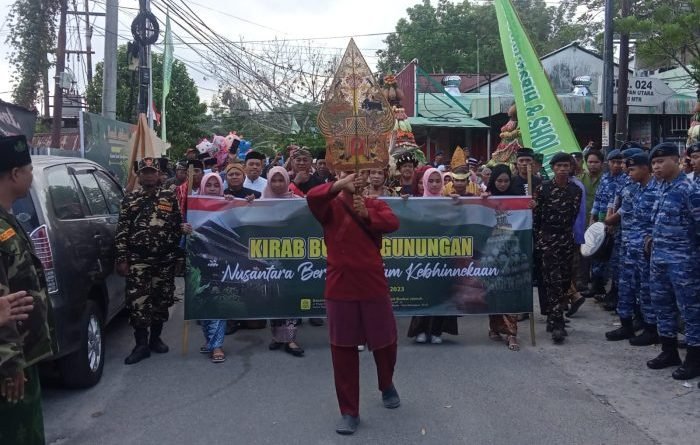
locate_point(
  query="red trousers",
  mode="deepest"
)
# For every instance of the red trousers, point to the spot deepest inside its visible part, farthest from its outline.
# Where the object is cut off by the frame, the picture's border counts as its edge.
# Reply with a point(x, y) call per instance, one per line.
point(346, 371)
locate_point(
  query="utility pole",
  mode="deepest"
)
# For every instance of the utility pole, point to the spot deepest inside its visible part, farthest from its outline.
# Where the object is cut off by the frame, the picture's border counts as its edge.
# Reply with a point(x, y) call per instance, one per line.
point(57, 122)
point(608, 79)
point(109, 85)
point(623, 81)
point(88, 42)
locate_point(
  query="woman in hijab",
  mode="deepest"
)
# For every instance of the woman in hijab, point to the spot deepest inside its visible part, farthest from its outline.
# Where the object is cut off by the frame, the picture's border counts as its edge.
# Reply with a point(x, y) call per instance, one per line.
point(500, 184)
point(430, 329)
point(214, 330)
point(284, 332)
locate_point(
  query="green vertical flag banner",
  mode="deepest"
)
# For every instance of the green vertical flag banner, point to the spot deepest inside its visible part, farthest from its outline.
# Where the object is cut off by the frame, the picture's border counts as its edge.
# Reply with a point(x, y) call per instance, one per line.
point(543, 124)
point(167, 71)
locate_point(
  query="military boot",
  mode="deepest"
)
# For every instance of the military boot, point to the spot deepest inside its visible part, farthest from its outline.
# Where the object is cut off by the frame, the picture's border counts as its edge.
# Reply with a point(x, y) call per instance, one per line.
point(669, 354)
point(597, 288)
point(155, 343)
point(610, 300)
point(691, 367)
point(141, 350)
point(624, 332)
point(648, 337)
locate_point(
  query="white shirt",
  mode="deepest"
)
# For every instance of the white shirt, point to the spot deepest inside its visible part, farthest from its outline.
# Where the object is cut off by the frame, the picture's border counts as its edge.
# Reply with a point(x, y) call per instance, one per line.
point(258, 185)
point(691, 176)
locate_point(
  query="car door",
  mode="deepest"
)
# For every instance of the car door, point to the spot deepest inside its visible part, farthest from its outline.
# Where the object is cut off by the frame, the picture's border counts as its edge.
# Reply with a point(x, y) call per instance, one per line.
point(116, 285)
point(103, 216)
point(74, 254)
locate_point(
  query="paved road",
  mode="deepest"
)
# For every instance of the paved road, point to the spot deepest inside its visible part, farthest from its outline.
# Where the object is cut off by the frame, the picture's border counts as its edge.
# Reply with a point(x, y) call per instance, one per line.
point(469, 390)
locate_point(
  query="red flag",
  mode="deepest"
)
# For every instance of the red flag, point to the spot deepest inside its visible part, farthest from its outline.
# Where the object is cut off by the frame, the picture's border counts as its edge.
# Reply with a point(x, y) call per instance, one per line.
point(155, 113)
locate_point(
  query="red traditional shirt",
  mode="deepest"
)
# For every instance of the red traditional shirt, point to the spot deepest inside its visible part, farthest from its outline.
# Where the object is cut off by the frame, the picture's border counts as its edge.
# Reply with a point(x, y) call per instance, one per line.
point(355, 270)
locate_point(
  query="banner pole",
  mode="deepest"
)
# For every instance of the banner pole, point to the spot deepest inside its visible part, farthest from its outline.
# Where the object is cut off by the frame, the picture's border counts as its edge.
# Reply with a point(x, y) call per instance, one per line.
point(186, 323)
point(532, 314)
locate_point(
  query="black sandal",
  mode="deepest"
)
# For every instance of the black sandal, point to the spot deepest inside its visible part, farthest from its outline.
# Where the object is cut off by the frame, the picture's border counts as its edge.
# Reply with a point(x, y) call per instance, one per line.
point(296, 351)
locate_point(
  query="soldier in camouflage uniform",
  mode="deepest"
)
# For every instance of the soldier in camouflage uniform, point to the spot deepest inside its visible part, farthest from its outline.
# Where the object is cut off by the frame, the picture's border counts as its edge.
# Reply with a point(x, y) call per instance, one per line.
point(675, 270)
point(147, 239)
point(557, 204)
point(22, 343)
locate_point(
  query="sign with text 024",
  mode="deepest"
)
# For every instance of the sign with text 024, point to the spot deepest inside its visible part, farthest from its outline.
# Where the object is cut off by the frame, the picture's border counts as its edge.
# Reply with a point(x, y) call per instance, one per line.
point(643, 92)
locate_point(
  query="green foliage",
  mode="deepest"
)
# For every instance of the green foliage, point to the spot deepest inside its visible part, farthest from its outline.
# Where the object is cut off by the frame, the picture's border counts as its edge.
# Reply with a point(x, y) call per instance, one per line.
point(667, 33)
point(32, 36)
point(186, 115)
point(444, 38)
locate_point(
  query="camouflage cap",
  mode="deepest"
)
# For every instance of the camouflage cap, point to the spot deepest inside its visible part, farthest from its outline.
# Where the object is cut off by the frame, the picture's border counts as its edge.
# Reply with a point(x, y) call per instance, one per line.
point(14, 152)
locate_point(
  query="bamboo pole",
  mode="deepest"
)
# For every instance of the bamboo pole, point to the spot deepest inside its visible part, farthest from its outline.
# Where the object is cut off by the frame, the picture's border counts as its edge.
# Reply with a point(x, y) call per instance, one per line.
point(532, 314)
point(186, 324)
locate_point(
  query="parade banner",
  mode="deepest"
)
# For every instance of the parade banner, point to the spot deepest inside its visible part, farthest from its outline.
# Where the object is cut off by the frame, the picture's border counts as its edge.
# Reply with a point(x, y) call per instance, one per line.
point(106, 141)
point(266, 259)
point(543, 124)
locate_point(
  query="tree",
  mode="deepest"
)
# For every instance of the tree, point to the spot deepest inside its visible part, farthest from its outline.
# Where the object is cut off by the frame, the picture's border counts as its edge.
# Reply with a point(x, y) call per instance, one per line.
point(32, 36)
point(186, 115)
point(445, 38)
point(667, 33)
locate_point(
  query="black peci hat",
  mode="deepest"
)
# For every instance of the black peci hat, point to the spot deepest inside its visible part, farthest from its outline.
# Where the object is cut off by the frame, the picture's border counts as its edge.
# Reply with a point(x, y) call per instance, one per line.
point(560, 157)
point(14, 152)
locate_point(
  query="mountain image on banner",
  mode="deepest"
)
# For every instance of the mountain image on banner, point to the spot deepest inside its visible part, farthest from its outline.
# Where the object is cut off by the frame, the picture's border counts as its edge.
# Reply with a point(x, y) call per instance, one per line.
point(356, 119)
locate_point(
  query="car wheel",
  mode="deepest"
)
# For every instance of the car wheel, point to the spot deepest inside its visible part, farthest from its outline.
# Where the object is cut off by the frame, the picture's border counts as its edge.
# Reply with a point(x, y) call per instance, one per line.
point(83, 368)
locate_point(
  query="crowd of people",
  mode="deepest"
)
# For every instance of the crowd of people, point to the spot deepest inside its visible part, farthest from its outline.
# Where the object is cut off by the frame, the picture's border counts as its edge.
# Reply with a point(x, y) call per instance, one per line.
point(647, 201)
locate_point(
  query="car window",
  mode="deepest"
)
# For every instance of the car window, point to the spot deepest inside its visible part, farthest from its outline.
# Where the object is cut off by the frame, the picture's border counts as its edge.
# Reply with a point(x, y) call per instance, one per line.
point(65, 197)
point(111, 190)
point(25, 212)
point(93, 195)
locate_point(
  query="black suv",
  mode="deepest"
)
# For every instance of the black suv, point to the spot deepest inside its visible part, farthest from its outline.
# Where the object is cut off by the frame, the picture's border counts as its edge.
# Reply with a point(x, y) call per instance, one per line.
point(71, 215)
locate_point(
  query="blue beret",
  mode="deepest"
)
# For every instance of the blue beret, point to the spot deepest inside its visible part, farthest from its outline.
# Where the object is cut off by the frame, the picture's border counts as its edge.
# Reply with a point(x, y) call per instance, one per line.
point(631, 144)
point(560, 157)
point(628, 152)
point(614, 154)
point(694, 148)
point(664, 149)
point(637, 159)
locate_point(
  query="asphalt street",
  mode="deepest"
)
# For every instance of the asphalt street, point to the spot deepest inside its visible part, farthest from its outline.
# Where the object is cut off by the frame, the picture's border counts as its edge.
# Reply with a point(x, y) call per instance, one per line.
point(469, 390)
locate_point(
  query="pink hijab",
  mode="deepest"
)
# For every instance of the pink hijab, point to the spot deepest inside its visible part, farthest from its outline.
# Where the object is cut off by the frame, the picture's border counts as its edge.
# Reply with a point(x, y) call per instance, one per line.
point(205, 179)
point(268, 193)
point(426, 176)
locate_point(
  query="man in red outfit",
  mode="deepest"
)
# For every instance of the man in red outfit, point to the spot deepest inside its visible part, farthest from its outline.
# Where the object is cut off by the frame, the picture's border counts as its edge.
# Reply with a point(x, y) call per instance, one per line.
point(358, 305)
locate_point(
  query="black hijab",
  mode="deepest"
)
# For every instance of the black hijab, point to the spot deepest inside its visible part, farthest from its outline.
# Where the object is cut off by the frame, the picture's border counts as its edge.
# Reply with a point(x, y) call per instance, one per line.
point(497, 171)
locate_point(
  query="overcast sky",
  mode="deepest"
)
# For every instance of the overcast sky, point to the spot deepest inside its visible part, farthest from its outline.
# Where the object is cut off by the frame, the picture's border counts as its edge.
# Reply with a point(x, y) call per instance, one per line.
point(282, 19)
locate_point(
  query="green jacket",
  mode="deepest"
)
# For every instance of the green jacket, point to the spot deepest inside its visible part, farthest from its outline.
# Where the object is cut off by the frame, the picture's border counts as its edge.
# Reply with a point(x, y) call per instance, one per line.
point(26, 342)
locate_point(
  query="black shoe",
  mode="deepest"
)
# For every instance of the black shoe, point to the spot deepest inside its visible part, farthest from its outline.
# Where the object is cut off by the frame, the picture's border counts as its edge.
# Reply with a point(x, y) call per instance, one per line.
point(637, 324)
point(669, 354)
point(624, 332)
point(139, 353)
point(575, 306)
point(390, 398)
point(275, 345)
point(155, 343)
point(597, 288)
point(295, 351)
point(558, 335)
point(141, 350)
point(316, 321)
point(347, 424)
point(690, 367)
point(647, 338)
